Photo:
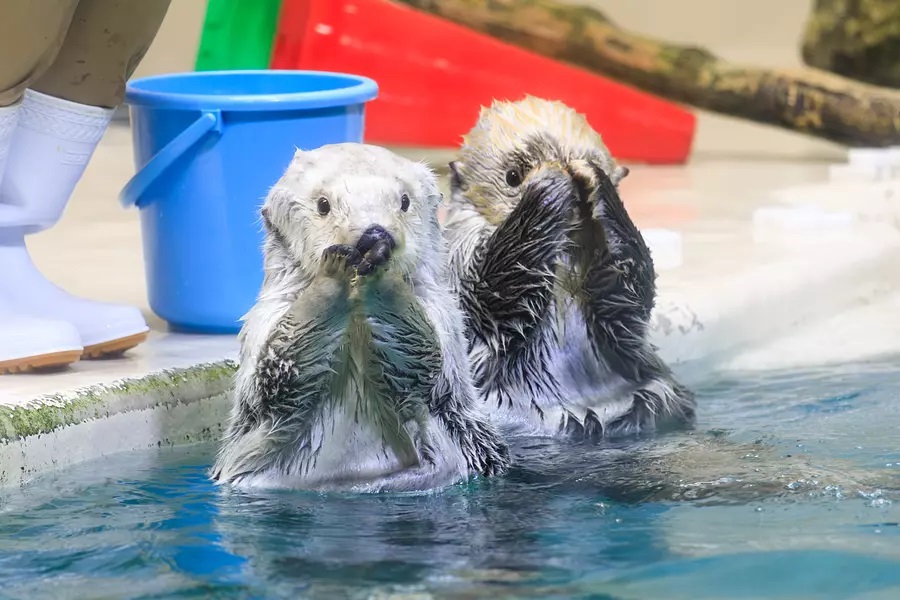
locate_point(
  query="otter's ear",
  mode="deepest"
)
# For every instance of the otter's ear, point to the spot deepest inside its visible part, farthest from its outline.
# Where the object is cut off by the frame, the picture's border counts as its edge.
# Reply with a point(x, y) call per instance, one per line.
point(275, 207)
point(266, 213)
point(619, 173)
point(298, 156)
point(457, 175)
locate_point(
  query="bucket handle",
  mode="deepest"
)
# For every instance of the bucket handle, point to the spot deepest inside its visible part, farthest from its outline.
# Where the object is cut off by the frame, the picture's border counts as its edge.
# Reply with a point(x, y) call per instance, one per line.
point(131, 194)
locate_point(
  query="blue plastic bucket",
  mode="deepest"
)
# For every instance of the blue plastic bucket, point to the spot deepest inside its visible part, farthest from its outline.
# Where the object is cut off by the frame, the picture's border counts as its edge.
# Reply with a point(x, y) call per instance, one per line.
point(207, 148)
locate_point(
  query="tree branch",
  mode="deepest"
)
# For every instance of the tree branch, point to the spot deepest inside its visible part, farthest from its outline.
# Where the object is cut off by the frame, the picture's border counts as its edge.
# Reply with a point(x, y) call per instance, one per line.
point(807, 100)
point(859, 39)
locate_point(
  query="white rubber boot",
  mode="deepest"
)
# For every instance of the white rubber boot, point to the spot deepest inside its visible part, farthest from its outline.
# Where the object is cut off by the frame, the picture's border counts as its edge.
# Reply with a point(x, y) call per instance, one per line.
point(9, 117)
point(51, 146)
point(26, 343)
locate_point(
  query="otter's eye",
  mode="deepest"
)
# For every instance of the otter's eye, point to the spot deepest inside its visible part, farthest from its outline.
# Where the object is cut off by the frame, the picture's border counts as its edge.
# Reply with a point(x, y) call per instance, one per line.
point(513, 178)
point(404, 203)
point(324, 206)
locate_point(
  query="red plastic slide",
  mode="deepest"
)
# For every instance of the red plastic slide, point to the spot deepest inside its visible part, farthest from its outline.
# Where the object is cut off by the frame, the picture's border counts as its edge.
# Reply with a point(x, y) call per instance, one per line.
point(434, 75)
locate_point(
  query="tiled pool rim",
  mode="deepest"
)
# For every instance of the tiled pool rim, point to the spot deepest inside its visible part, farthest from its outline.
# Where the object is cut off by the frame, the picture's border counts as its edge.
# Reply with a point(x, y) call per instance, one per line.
point(168, 408)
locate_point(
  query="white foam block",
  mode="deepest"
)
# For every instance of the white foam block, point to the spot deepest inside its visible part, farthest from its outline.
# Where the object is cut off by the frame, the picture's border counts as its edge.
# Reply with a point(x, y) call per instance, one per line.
point(801, 219)
point(665, 247)
point(884, 162)
point(877, 157)
point(854, 173)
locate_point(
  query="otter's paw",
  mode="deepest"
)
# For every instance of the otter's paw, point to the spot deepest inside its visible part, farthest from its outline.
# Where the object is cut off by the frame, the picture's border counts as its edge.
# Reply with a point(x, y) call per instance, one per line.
point(374, 258)
point(553, 189)
point(491, 451)
point(605, 192)
point(590, 427)
point(375, 247)
point(496, 461)
point(340, 260)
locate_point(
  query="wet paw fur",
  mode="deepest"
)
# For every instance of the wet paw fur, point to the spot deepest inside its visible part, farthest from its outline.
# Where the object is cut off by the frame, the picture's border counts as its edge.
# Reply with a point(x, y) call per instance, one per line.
point(374, 259)
point(340, 260)
point(375, 248)
point(492, 454)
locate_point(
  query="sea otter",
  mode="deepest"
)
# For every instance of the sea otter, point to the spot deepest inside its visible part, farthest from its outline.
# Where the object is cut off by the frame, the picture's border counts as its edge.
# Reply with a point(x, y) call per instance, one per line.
point(353, 367)
point(556, 282)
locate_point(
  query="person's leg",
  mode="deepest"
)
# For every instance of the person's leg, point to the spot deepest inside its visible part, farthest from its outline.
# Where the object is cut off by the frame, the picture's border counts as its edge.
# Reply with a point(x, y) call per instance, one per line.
point(31, 34)
point(105, 44)
point(62, 118)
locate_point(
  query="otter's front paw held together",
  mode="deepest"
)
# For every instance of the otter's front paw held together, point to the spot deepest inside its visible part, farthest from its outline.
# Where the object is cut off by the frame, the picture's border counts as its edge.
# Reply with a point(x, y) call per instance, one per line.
point(374, 247)
point(552, 190)
point(340, 260)
point(605, 189)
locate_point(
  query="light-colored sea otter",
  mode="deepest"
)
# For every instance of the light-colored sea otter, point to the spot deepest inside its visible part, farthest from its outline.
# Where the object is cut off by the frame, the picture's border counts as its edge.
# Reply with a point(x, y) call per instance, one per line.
point(353, 369)
point(555, 280)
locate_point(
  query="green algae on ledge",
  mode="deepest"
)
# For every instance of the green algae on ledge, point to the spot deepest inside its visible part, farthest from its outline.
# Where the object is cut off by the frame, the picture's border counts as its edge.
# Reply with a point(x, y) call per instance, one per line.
point(48, 413)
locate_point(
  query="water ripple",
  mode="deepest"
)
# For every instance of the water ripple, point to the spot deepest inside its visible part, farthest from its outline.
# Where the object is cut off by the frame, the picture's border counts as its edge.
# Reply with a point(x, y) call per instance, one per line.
point(788, 474)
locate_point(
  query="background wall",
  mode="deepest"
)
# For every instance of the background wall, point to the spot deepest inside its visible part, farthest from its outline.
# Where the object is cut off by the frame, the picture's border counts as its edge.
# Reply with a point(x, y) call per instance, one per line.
point(759, 32)
point(764, 33)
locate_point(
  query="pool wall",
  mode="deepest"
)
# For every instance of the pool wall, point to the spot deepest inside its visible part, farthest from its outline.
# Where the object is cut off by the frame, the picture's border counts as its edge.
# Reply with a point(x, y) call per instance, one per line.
point(174, 407)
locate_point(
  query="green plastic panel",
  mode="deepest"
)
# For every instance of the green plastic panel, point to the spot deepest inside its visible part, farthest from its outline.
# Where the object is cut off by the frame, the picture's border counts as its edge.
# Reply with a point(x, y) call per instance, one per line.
point(237, 34)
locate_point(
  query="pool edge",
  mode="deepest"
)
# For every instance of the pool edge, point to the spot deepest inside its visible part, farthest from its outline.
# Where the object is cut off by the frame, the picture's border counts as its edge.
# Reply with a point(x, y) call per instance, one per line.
point(165, 408)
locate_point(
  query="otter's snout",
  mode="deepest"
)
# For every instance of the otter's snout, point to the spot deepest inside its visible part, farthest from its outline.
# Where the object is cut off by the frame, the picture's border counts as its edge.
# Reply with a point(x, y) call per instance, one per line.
point(375, 246)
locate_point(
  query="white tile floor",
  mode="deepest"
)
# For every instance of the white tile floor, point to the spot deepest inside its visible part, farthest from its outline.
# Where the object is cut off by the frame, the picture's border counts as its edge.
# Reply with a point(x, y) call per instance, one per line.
point(739, 285)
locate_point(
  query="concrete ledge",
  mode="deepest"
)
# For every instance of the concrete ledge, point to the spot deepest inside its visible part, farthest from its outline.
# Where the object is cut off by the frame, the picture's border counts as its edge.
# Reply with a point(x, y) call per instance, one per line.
point(703, 331)
point(172, 407)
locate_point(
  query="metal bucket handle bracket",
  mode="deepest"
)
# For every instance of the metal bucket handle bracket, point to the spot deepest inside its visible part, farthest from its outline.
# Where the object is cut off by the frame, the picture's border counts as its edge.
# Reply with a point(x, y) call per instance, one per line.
point(133, 192)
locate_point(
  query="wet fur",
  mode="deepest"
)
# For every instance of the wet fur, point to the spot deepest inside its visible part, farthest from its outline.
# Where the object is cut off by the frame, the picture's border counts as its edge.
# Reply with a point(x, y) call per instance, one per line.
point(354, 381)
point(555, 280)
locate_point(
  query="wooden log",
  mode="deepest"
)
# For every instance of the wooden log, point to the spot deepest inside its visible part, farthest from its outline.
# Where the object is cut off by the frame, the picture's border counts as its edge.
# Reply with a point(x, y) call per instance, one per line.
point(806, 100)
point(859, 39)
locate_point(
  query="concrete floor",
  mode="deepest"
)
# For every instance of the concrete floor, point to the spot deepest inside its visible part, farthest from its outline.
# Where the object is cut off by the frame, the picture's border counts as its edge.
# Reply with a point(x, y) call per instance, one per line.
point(731, 284)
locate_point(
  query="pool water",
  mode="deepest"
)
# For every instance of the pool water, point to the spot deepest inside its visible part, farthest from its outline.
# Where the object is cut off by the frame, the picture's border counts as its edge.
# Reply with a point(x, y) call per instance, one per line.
point(570, 520)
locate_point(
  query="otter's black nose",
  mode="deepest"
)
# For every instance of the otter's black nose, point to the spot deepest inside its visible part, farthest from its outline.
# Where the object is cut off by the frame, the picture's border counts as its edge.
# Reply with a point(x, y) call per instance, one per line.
point(373, 235)
point(375, 246)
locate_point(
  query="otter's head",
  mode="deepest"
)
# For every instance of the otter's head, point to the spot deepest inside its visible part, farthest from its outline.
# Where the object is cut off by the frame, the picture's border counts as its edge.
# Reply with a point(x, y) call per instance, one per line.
point(342, 193)
point(511, 140)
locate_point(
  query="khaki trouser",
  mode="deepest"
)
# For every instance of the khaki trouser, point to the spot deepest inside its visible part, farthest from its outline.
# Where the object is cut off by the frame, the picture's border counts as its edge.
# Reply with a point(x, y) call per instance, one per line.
point(78, 50)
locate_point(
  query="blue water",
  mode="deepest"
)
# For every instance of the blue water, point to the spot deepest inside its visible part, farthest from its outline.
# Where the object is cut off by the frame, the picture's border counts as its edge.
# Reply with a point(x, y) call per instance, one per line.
point(570, 521)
